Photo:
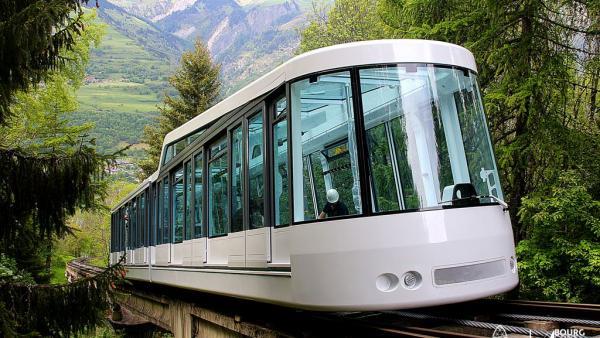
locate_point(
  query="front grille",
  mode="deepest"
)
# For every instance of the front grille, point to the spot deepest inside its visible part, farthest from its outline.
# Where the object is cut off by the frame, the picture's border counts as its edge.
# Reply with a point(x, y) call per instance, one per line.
point(468, 273)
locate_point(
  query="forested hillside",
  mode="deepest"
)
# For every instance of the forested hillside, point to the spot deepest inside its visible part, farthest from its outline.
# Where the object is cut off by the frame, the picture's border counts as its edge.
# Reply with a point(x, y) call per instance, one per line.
point(127, 76)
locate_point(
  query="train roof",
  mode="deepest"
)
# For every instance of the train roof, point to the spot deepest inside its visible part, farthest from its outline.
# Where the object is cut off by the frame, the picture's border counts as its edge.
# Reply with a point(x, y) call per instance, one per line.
point(323, 59)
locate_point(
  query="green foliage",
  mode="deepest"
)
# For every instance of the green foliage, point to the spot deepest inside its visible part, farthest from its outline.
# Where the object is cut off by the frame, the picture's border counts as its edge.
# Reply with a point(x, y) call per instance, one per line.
point(33, 37)
point(560, 259)
point(91, 229)
point(530, 71)
point(59, 310)
point(539, 71)
point(124, 84)
point(49, 168)
point(10, 272)
point(30, 250)
point(197, 84)
point(59, 264)
point(344, 21)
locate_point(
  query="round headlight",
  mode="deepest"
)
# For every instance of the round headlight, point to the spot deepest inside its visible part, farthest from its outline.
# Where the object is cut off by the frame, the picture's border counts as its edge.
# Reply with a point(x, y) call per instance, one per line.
point(411, 280)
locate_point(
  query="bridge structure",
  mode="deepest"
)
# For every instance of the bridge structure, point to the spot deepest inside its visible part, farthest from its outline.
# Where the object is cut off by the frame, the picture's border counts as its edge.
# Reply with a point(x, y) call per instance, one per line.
point(187, 313)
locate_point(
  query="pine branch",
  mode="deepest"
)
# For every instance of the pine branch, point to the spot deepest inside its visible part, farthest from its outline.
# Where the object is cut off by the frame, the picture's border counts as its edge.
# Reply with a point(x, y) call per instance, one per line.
point(573, 29)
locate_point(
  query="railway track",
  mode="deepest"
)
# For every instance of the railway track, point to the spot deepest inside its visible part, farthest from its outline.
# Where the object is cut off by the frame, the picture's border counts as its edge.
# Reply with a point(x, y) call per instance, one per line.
point(480, 318)
point(83, 268)
point(488, 318)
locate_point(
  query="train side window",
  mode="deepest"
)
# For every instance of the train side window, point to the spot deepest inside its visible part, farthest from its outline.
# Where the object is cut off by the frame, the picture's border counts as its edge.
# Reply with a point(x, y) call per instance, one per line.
point(133, 225)
point(179, 146)
point(217, 189)
point(178, 205)
point(168, 154)
point(124, 230)
point(280, 165)
point(325, 161)
point(198, 169)
point(188, 200)
point(237, 180)
point(139, 222)
point(280, 107)
point(159, 213)
point(155, 213)
point(165, 211)
point(256, 183)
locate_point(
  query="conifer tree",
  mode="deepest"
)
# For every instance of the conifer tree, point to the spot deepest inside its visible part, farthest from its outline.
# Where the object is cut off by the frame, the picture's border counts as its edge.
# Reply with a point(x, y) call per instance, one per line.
point(533, 57)
point(341, 22)
point(48, 167)
point(32, 35)
point(197, 84)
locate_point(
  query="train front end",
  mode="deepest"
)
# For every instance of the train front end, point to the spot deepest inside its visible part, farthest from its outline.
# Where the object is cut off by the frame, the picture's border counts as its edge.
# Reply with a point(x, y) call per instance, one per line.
point(425, 222)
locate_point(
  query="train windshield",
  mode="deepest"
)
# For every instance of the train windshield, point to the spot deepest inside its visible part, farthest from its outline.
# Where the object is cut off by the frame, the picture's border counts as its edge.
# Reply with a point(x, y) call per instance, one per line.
point(425, 133)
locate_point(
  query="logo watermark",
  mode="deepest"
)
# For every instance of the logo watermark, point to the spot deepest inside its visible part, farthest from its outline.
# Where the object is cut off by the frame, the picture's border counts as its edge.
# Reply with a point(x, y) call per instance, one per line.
point(500, 332)
point(559, 333)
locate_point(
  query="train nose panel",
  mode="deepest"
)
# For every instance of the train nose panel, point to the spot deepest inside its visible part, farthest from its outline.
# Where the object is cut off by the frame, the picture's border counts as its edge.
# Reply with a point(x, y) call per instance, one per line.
point(469, 273)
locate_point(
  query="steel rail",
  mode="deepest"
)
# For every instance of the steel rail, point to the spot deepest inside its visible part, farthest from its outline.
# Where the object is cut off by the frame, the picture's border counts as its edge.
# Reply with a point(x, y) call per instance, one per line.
point(551, 319)
point(472, 323)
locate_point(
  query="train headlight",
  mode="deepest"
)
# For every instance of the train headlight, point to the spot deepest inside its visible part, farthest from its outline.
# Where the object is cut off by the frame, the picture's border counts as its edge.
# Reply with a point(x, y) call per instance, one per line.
point(411, 280)
point(512, 264)
point(387, 282)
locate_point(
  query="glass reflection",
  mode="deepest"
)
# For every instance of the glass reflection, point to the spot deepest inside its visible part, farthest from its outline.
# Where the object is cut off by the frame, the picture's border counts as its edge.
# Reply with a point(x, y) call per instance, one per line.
point(426, 132)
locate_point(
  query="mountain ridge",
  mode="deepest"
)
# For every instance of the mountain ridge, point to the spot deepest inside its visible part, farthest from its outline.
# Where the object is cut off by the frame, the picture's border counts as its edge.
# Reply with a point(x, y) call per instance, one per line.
point(128, 73)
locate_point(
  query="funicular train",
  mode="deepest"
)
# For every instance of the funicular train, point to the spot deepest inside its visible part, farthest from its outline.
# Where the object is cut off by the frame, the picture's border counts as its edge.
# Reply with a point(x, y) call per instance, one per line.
point(354, 177)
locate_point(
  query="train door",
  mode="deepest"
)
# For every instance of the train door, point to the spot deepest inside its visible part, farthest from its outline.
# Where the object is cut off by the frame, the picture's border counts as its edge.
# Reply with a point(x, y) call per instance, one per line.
point(237, 237)
point(257, 233)
point(200, 240)
point(219, 245)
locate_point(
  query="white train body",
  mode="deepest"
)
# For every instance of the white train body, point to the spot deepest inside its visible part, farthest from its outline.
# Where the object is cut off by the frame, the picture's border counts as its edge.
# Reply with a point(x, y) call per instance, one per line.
point(395, 126)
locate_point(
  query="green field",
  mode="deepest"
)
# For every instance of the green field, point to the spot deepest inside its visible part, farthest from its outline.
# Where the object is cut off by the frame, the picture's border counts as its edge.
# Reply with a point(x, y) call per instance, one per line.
point(118, 97)
point(124, 85)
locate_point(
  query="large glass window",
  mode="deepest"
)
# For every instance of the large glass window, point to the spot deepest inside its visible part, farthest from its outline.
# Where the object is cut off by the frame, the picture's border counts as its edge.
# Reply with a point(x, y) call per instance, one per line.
point(324, 148)
point(178, 205)
point(159, 213)
point(280, 165)
point(178, 147)
point(198, 196)
point(280, 107)
point(165, 211)
point(154, 214)
point(256, 183)
point(188, 200)
point(168, 154)
point(143, 227)
point(426, 132)
point(133, 225)
point(237, 181)
point(217, 189)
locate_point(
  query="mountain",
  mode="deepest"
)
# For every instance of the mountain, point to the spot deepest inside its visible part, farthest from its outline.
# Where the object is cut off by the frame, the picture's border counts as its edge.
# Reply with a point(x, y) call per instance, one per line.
point(246, 41)
point(128, 72)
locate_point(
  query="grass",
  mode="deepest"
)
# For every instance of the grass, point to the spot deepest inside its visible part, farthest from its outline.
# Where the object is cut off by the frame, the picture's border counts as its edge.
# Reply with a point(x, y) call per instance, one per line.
point(59, 265)
point(117, 97)
point(125, 83)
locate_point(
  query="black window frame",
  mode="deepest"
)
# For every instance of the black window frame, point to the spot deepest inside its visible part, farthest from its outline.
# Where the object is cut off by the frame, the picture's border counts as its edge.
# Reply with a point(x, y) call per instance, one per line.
point(199, 153)
point(260, 108)
point(209, 159)
point(230, 131)
point(362, 152)
point(173, 213)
